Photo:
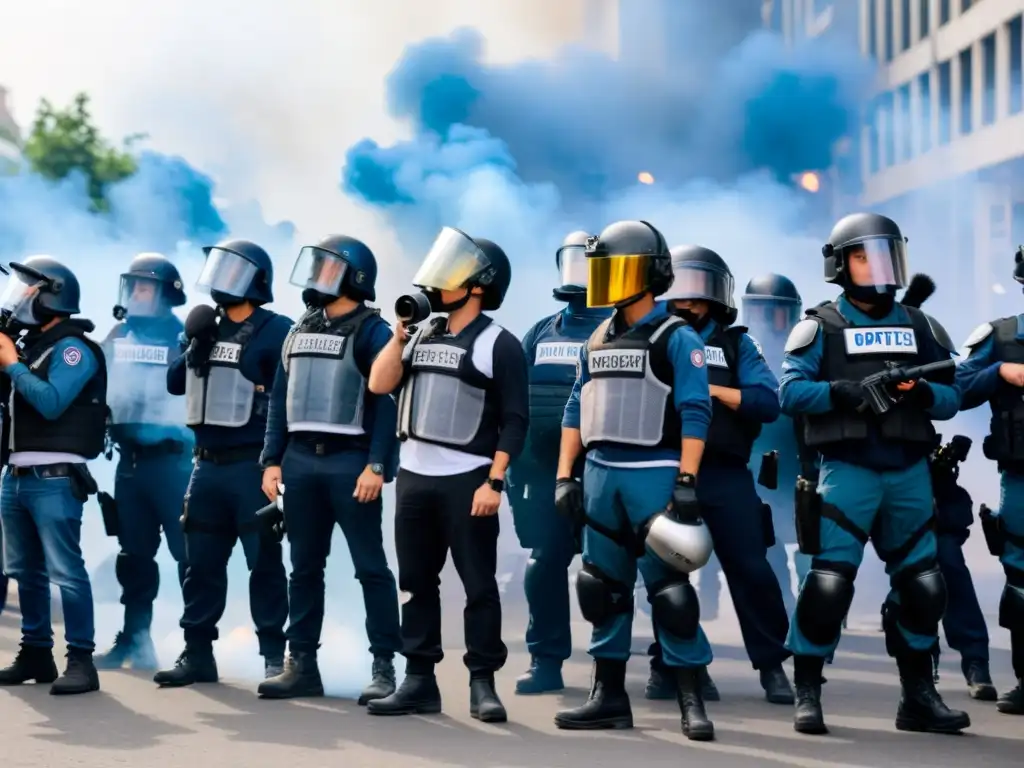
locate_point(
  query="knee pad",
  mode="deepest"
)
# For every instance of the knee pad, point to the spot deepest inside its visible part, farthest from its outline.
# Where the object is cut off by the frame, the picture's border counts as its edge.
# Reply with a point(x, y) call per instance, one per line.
point(676, 609)
point(1011, 604)
point(922, 592)
point(601, 598)
point(824, 601)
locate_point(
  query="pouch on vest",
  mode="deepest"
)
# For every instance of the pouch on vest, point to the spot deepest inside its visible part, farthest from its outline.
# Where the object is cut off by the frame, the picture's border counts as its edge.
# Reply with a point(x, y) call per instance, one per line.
point(768, 476)
point(807, 516)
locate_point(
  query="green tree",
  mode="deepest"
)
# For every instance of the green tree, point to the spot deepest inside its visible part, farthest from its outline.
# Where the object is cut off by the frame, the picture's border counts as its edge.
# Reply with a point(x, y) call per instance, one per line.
point(65, 140)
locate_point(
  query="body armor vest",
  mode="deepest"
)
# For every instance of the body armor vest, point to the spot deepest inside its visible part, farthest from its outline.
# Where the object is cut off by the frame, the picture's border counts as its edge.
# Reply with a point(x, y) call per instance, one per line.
point(729, 434)
point(137, 381)
point(81, 429)
point(326, 389)
point(1005, 442)
point(628, 399)
point(854, 352)
point(446, 400)
point(225, 397)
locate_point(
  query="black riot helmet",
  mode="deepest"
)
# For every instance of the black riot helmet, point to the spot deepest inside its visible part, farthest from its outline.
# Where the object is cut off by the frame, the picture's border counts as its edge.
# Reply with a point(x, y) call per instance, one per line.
point(626, 261)
point(237, 271)
point(702, 275)
point(773, 303)
point(338, 265)
point(871, 245)
point(455, 261)
point(571, 262)
point(150, 287)
point(38, 290)
point(1018, 265)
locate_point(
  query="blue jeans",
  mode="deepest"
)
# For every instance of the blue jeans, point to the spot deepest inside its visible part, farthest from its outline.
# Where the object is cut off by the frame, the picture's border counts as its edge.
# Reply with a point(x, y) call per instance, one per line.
point(42, 524)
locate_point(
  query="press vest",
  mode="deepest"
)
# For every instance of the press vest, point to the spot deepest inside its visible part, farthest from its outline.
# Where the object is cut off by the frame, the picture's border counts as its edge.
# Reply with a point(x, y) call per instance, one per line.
point(225, 397)
point(137, 381)
point(729, 434)
point(628, 399)
point(854, 352)
point(1005, 443)
point(81, 429)
point(326, 389)
point(445, 399)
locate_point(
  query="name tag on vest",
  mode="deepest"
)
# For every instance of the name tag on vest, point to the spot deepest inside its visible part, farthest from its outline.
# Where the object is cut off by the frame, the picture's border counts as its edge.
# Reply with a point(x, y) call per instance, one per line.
point(557, 353)
point(616, 361)
point(226, 352)
point(438, 356)
point(715, 356)
point(317, 343)
point(874, 341)
point(126, 352)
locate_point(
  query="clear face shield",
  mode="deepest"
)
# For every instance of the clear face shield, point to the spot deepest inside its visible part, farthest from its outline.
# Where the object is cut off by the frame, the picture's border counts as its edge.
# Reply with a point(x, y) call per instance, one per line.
point(319, 270)
point(18, 296)
point(770, 313)
point(879, 262)
point(451, 262)
point(141, 296)
point(700, 284)
point(572, 266)
point(226, 272)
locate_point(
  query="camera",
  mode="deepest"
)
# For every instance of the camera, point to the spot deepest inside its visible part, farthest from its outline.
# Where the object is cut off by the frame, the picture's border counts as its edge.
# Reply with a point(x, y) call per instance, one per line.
point(412, 309)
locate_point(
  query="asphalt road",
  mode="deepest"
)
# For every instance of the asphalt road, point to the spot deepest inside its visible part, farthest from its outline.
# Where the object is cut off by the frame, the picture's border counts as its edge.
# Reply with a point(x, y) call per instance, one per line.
point(132, 723)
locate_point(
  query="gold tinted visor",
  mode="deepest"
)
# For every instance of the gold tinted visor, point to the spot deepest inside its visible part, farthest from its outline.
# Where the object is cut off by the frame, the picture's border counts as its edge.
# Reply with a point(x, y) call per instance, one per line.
point(611, 279)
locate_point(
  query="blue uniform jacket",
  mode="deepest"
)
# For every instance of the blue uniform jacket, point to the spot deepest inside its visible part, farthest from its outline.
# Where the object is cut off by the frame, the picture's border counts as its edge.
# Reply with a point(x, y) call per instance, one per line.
point(978, 375)
point(760, 389)
point(259, 363)
point(690, 394)
point(72, 365)
point(380, 416)
point(801, 391)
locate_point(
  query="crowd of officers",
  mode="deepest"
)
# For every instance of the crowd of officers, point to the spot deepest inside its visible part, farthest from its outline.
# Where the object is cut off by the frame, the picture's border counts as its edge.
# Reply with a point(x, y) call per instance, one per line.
point(623, 428)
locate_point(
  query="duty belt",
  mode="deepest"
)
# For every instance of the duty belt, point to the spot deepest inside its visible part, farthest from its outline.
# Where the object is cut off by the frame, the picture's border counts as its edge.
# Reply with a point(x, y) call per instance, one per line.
point(324, 445)
point(139, 451)
point(229, 455)
point(43, 471)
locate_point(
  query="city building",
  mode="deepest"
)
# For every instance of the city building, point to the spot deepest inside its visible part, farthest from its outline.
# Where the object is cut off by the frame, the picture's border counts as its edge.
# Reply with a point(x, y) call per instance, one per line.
point(10, 136)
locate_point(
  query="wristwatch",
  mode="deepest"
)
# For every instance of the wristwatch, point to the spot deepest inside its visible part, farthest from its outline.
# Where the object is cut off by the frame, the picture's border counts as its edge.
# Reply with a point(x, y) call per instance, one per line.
point(377, 469)
point(496, 483)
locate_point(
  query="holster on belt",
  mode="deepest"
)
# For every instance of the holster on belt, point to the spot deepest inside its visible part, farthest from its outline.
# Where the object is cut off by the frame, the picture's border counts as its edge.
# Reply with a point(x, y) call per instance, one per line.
point(83, 485)
point(992, 528)
point(108, 509)
point(807, 513)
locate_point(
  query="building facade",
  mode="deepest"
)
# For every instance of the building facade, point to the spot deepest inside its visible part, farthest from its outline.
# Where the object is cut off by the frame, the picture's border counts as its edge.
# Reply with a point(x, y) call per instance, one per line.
point(10, 137)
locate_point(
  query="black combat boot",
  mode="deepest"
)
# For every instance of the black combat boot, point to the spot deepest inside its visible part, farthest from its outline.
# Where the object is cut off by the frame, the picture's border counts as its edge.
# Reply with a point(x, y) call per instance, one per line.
point(417, 695)
point(382, 681)
point(1012, 702)
point(272, 666)
point(979, 679)
point(661, 684)
point(195, 665)
point(608, 704)
point(543, 676)
point(31, 663)
point(696, 726)
point(808, 717)
point(118, 654)
point(484, 704)
point(79, 676)
point(708, 689)
point(300, 678)
point(777, 689)
point(921, 708)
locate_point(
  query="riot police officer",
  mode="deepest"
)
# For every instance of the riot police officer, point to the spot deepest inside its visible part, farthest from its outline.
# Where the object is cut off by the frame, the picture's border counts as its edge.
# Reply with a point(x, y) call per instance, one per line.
point(552, 349)
point(226, 372)
point(147, 425)
point(641, 406)
point(332, 445)
point(874, 481)
point(56, 383)
point(744, 395)
point(463, 416)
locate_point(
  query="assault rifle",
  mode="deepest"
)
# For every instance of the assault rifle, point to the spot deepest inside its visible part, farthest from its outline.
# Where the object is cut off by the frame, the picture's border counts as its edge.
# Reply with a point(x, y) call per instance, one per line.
point(878, 395)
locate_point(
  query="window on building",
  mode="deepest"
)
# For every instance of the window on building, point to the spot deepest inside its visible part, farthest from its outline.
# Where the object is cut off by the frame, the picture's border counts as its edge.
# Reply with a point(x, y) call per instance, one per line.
point(988, 94)
point(945, 102)
point(874, 149)
point(1016, 101)
point(888, 128)
point(906, 124)
point(943, 12)
point(872, 30)
point(924, 18)
point(889, 31)
point(966, 91)
point(905, 28)
point(965, 5)
point(924, 93)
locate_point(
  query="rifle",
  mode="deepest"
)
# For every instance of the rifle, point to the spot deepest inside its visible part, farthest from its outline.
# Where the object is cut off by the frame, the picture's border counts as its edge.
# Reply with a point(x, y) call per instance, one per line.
point(876, 387)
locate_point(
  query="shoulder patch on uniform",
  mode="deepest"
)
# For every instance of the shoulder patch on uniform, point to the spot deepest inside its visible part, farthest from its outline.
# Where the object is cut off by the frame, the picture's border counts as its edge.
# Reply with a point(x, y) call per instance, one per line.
point(72, 355)
point(802, 336)
point(940, 334)
point(697, 358)
point(978, 335)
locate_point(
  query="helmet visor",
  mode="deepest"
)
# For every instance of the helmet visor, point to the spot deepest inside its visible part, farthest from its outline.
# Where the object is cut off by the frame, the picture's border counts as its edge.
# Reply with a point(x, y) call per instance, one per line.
point(701, 284)
point(227, 273)
point(140, 296)
point(612, 279)
point(451, 262)
point(770, 313)
point(319, 270)
point(572, 266)
point(18, 295)
point(880, 262)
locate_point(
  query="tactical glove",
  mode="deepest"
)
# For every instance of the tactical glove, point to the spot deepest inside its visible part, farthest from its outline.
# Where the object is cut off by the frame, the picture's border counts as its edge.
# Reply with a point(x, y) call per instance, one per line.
point(847, 395)
point(684, 506)
point(569, 499)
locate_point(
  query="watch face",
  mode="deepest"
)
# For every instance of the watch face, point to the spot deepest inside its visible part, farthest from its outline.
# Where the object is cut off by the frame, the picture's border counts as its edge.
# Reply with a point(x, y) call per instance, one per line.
point(377, 469)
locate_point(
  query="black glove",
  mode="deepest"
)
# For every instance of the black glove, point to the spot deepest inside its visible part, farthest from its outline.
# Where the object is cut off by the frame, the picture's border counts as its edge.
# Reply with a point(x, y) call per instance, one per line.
point(847, 395)
point(197, 356)
point(271, 522)
point(921, 396)
point(569, 499)
point(684, 506)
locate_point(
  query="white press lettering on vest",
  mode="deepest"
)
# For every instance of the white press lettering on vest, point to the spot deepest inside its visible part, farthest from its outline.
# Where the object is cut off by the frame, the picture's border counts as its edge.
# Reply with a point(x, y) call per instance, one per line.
point(438, 356)
point(715, 357)
point(317, 343)
point(611, 360)
point(126, 352)
point(226, 352)
point(557, 353)
point(873, 341)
